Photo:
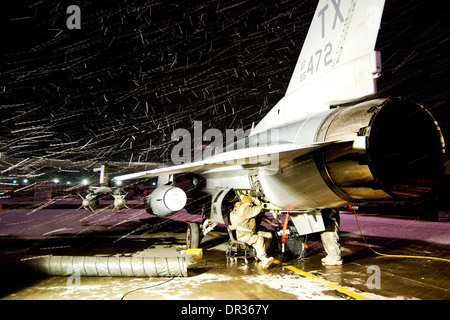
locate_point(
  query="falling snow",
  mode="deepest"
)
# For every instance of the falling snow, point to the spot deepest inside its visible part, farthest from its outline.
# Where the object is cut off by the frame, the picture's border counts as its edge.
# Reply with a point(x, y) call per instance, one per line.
point(117, 88)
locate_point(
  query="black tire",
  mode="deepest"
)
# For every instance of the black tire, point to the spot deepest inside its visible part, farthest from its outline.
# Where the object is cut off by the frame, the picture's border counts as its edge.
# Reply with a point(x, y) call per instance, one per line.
point(192, 236)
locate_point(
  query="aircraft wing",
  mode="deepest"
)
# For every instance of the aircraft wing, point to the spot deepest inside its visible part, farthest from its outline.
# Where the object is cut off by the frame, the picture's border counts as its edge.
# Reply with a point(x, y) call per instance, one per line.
point(244, 161)
point(32, 167)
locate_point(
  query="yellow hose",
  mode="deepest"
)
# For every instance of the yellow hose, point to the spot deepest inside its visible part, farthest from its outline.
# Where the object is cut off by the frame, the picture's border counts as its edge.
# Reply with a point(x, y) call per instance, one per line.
point(394, 255)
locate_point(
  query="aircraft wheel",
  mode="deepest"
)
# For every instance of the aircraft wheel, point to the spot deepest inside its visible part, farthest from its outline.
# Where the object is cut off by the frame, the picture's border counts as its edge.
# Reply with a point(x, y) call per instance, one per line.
point(193, 236)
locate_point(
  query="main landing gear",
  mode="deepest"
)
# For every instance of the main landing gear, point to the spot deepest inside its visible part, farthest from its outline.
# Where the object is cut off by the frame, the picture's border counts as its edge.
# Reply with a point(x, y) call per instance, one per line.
point(196, 232)
point(192, 236)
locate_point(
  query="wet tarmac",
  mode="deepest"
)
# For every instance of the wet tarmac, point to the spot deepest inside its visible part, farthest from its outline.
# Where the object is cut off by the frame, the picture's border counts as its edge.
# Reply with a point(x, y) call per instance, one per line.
point(26, 234)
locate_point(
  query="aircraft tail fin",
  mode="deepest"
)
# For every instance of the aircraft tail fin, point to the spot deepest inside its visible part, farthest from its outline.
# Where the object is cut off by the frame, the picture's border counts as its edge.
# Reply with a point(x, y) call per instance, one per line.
point(341, 31)
point(337, 63)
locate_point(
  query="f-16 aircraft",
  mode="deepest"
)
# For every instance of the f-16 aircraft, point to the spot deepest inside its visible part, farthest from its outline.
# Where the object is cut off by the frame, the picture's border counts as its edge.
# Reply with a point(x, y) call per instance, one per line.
point(324, 144)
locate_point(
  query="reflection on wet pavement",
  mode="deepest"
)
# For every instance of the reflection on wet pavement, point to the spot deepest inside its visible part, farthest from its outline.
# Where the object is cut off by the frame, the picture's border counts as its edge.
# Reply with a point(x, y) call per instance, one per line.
point(212, 277)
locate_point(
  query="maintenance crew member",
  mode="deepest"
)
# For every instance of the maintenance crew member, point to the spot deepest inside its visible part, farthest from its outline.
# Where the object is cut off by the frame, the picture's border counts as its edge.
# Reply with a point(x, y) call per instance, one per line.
point(330, 238)
point(243, 218)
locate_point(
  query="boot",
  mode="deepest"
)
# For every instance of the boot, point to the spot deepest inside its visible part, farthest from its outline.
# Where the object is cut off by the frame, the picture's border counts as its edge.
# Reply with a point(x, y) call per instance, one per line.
point(328, 261)
point(266, 262)
point(332, 248)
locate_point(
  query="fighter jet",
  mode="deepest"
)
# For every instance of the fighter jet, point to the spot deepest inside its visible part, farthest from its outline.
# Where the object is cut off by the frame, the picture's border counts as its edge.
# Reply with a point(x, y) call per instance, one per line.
point(325, 144)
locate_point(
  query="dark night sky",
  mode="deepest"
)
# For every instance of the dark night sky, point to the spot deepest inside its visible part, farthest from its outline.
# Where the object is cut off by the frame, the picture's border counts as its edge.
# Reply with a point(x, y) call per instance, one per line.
point(137, 70)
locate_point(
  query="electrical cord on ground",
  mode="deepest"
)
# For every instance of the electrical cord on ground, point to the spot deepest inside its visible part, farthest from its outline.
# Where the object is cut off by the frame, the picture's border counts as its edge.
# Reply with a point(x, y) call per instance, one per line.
point(148, 287)
point(393, 255)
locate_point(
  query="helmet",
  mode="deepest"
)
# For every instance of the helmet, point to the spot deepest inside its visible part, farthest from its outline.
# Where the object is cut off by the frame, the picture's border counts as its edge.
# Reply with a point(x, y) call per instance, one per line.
point(246, 199)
